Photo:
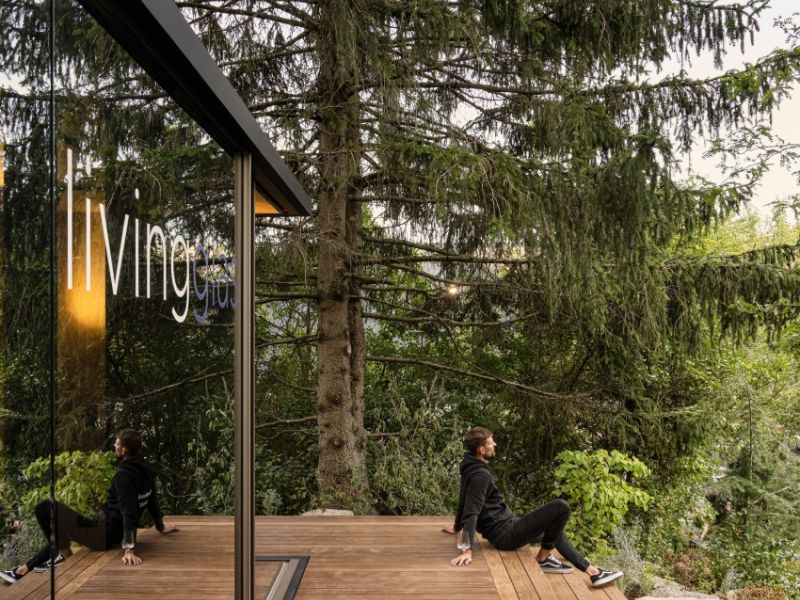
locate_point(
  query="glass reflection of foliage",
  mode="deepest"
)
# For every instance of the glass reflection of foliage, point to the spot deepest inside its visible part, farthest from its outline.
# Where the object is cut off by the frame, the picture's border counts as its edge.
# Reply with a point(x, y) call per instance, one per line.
point(148, 161)
point(24, 248)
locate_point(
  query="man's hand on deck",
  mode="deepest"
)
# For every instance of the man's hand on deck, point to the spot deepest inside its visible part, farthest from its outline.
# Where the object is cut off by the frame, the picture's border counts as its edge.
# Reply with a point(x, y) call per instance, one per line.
point(130, 559)
point(463, 560)
point(449, 529)
point(169, 529)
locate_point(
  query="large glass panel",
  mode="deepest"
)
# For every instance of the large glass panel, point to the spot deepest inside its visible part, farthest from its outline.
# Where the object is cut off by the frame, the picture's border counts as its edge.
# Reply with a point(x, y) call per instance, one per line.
point(143, 316)
point(145, 307)
point(25, 278)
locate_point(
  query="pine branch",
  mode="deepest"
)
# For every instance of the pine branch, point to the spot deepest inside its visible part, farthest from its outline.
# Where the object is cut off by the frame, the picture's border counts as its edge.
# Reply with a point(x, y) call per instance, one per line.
point(420, 273)
point(443, 258)
point(404, 244)
point(449, 322)
point(207, 376)
point(309, 419)
point(282, 296)
point(494, 378)
point(749, 10)
point(260, 14)
point(304, 339)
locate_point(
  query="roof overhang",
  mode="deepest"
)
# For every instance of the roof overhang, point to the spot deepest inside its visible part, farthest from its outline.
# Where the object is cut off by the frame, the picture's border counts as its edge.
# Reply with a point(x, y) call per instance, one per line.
point(157, 37)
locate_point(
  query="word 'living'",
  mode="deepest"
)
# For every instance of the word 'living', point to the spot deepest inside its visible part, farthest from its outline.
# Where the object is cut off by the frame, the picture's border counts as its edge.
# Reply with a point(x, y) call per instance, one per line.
point(212, 295)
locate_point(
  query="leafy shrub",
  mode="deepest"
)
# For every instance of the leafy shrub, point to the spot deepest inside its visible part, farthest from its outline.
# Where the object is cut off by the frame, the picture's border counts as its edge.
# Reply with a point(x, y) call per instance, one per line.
point(82, 483)
point(755, 561)
point(680, 515)
point(414, 472)
point(24, 541)
point(623, 555)
point(210, 455)
point(693, 569)
point(596, 486)
point(759, 593)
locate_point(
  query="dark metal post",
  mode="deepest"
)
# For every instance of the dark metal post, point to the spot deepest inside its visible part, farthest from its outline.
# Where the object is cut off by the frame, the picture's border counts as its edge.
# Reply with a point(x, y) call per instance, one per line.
point(244, 377)
point(51, 118)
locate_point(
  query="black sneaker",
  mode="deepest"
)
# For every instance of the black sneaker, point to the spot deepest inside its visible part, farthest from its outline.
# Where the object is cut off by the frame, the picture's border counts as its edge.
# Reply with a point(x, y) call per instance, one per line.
point(11, 575)
point(605, 577)
point(49, 563)
point(552, 565)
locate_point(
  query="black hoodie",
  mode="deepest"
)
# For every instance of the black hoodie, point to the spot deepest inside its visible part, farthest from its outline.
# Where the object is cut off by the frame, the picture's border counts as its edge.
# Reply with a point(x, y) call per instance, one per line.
point(132, 490)
point(480, 505)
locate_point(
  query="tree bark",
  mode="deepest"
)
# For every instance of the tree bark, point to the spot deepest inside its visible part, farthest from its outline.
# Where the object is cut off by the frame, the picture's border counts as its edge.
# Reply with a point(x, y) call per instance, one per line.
point(341, 351)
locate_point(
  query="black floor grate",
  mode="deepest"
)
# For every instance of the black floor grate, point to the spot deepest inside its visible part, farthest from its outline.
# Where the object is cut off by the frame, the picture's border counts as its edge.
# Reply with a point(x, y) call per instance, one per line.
point(286, 581)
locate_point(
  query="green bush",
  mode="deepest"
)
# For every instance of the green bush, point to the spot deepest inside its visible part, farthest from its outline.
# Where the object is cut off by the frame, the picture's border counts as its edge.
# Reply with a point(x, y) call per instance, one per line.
point(416, 471)
point(693, 569)
point(82, 480)
point(623, 555)
point(24, 541)
point(596, 486)
point(210, 457)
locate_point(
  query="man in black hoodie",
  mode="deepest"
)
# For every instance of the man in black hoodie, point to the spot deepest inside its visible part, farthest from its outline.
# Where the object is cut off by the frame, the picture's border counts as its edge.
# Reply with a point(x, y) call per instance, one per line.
point(481, 509)
point(132, 490)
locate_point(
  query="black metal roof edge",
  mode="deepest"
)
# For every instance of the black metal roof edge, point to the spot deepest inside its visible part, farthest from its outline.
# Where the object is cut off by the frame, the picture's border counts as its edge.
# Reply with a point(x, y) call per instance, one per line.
point(157, 37)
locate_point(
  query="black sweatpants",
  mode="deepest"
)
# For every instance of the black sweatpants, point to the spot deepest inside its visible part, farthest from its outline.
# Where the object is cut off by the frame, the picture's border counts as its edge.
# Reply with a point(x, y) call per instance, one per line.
point(544, 526)
point(72, 527)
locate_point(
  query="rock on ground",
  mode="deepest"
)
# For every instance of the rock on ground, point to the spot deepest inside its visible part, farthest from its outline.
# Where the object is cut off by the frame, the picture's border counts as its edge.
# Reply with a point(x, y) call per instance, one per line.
point(663, 589)
point(328, 512)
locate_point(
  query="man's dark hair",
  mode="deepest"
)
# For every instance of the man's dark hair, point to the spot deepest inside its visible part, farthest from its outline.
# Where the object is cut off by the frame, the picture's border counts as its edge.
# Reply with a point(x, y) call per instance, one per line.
point(475, 438)
point(131, 440)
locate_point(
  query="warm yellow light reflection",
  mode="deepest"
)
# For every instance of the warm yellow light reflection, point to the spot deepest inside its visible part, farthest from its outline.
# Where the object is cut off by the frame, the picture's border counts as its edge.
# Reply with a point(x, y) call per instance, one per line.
point(81, 313)
point(2, 164)
point(264, 206)
point(86, 310)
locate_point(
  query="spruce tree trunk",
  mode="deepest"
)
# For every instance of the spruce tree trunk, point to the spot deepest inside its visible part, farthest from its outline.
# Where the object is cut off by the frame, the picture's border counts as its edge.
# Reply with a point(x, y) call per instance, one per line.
point(340, 348)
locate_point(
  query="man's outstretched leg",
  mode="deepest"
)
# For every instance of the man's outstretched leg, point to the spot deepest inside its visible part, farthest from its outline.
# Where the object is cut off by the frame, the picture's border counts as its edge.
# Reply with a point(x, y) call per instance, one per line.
point(545, 526)
point(72, 526)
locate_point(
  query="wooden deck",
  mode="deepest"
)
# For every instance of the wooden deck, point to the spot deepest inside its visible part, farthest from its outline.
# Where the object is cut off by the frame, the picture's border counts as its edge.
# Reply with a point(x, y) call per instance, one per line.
point(350, 557)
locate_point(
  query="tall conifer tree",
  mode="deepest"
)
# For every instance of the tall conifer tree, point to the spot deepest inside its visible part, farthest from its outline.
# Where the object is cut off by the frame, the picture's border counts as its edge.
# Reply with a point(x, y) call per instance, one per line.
point(500, 161)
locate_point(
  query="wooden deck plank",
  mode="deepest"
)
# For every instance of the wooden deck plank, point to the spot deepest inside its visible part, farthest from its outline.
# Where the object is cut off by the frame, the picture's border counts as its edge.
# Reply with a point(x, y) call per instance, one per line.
point(387, 558)
point(502, 580)
point(557, 583)
point(540, 580)
point(519, 576)
point(67, 571)
point(35, 584)
point(614, 593)
point(74, 585)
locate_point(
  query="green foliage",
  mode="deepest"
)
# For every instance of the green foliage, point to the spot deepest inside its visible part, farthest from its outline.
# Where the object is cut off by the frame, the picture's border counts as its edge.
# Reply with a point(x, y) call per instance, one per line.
point(763, 560)
point(599, 485)
point(24, 541)
point(693, 569)
point(210, 457)
point(679, 515)
point(82, 480)
point(622, 554)
point(414, 473)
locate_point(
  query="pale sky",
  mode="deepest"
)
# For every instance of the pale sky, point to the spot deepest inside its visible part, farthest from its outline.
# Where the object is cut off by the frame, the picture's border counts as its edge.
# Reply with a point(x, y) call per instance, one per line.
point(778, 183)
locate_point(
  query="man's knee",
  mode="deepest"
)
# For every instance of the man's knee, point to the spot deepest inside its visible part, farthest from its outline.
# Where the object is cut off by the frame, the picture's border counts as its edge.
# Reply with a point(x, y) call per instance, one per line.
point(561, 506)
point(42, 508)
